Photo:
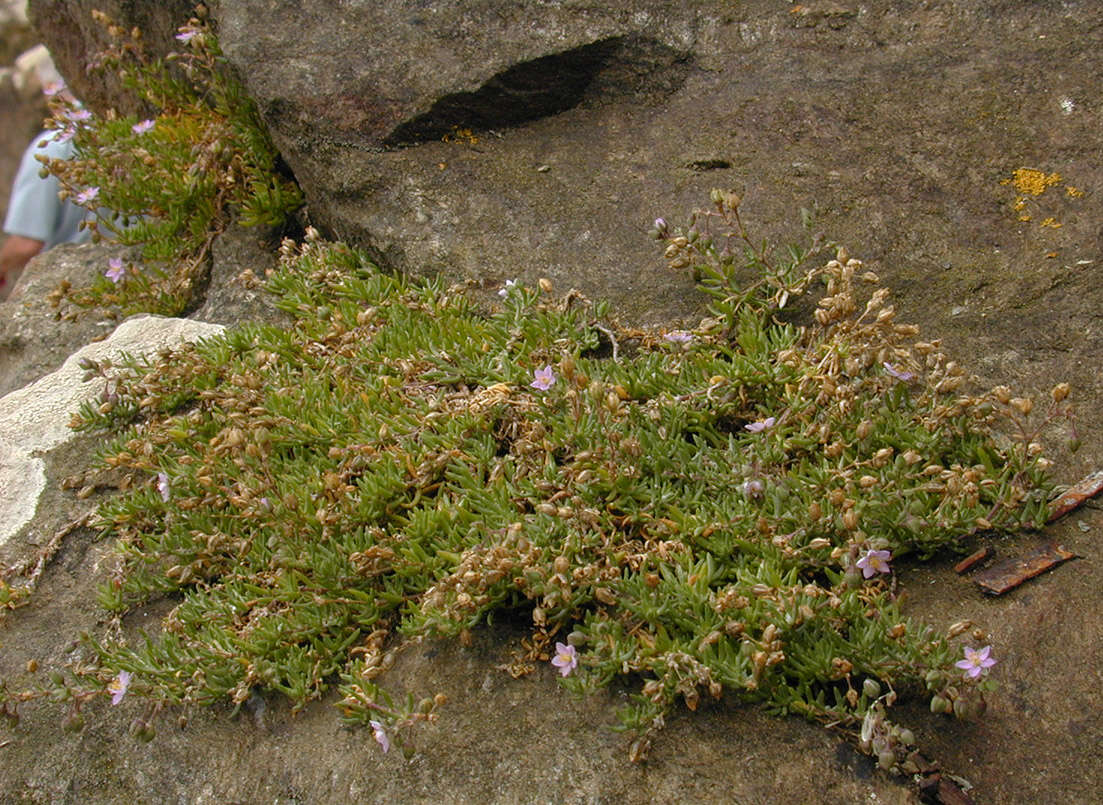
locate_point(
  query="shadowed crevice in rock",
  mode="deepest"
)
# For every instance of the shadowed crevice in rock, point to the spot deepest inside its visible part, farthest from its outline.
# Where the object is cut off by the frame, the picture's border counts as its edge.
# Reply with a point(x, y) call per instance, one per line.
point(610, 69)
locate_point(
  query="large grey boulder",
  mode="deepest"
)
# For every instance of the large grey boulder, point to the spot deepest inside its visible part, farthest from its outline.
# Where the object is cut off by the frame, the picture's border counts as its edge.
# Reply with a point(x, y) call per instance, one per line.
point(894, 122)
point(497, 139)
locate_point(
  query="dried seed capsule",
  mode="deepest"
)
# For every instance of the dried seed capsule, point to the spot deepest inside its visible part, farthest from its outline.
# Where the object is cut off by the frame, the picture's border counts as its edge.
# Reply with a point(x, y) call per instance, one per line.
point(886, 760)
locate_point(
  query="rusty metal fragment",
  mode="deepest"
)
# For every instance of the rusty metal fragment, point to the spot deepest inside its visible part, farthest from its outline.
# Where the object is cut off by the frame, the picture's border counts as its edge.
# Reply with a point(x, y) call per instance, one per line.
point(1076, 496)
point(1007, 575)
point(974, 559)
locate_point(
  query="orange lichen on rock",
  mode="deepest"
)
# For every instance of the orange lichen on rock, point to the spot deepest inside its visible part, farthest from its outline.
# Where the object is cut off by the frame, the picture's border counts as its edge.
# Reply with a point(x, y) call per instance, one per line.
point(1031, 182)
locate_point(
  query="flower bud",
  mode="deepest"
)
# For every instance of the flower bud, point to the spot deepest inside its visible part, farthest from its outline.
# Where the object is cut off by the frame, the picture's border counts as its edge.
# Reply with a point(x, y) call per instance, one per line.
point(958, 628)
point(871, 689)
point(74, 722)
point(886, 760)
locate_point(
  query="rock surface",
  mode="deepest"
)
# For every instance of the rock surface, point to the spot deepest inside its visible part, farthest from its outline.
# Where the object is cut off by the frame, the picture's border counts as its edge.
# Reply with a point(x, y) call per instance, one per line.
point(34, 419)
point(895, 123)
point(74, 38)
point(541, 139)
point(34, 337)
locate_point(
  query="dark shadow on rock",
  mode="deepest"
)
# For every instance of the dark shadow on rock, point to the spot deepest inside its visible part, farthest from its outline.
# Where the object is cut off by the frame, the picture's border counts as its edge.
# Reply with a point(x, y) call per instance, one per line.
point(607, 71)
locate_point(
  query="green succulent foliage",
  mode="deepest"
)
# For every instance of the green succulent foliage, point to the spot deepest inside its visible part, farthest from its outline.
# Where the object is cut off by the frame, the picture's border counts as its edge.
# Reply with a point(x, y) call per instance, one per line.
point(171, 189)
point(385, 470)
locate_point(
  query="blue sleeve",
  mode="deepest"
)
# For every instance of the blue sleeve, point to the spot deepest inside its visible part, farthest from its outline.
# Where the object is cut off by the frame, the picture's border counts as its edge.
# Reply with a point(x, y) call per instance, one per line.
point(34, 208)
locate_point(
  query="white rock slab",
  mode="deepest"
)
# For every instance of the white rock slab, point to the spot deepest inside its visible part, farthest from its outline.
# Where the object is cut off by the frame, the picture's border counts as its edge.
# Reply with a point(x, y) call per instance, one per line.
point(35, 418)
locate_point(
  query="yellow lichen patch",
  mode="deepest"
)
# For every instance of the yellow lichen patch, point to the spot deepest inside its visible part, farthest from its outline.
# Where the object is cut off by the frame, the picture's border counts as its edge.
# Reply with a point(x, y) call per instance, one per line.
point(463, 136)
point(1031, 182)
point(1052, 223)
point(1073, 192)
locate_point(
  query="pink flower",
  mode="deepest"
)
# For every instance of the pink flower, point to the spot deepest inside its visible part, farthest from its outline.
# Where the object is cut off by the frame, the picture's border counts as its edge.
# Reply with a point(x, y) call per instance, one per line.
point(760, 425)
point(187, 35)
point(875, 562)
point(163, 486)
point(905, 376)
point(678, 337)
point(565, 659)
point(380, 735)
point(87, 195)
point(53, 88)
point(119, 686)
point(505, 289)
point(976, 661)
point(116, 271)
point(143, 127)
point(544, 378)
point(77, 115)
point(753, 488)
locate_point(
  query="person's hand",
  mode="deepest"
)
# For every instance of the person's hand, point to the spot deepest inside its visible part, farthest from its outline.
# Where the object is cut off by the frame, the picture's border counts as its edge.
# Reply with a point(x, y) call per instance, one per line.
point(16, 252)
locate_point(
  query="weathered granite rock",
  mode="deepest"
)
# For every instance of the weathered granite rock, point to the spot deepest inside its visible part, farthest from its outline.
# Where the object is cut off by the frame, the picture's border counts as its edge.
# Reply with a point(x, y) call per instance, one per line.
point(35, 418)
point(240, 259)
point(894, 123)
point(34, 338)
point(67, 27)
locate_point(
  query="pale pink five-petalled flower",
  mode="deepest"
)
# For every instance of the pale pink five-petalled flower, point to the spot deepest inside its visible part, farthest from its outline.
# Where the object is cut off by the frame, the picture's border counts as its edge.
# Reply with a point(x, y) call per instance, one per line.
point(543, 379)
point(761, 424)
point(380, 735)
point(976, 662)
point(119, 686)
point(565, 659)
point(874, 562)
